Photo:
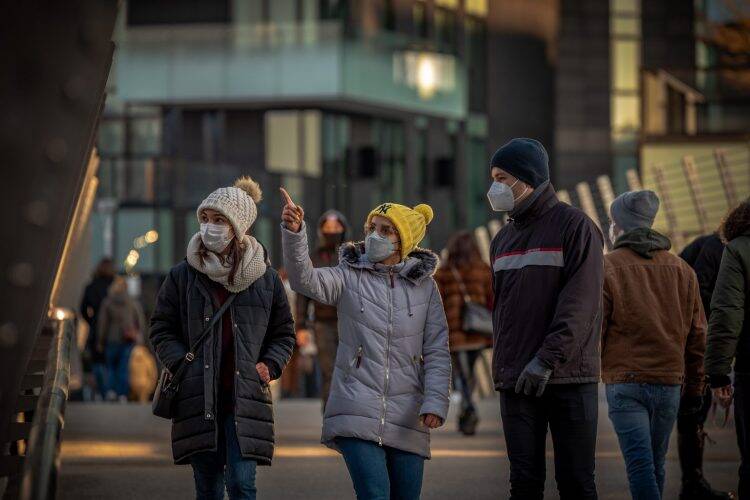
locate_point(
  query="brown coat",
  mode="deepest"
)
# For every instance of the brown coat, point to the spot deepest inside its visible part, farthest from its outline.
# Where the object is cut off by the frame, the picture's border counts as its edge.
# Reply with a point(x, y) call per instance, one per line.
point(654, 328)
point(478, 282)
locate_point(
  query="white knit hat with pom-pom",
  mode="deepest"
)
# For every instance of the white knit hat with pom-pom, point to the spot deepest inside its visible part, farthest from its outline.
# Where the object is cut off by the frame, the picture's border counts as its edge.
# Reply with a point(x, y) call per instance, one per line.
point(237, 203)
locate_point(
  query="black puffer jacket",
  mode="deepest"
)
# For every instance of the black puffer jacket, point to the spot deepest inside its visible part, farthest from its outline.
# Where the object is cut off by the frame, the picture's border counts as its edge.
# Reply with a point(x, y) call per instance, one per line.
point(264, 330)
point(548, 269)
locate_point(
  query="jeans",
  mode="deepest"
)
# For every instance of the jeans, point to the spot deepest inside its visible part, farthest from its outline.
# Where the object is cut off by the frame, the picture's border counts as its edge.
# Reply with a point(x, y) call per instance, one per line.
point(213, 469)
point(117, 358)
point(742, 424)
point(571, 412)
point(643, 416)
point(381, 472)
point(99, 371)
point(463, 369)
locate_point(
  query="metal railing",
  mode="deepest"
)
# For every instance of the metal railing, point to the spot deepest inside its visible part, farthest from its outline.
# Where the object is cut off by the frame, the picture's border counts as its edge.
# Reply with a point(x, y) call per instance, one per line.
point(38, 479)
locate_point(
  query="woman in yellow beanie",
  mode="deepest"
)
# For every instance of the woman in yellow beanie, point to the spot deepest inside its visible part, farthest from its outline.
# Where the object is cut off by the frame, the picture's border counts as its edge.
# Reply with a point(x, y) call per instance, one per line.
point(391, 380)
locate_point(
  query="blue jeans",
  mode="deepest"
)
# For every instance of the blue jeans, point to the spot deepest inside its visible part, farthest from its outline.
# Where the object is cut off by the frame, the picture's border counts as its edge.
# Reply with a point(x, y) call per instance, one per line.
point(643, 416)
point(381, 472)
point(211, 474)
point(117, 357)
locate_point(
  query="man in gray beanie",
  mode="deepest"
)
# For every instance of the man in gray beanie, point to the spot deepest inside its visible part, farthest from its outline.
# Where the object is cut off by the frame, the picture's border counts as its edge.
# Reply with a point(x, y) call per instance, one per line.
point(653, 339)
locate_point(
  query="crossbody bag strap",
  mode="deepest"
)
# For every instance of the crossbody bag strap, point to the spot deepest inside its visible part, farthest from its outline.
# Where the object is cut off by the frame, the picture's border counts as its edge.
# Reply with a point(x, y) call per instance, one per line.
point(190, 355)
point(461, 286)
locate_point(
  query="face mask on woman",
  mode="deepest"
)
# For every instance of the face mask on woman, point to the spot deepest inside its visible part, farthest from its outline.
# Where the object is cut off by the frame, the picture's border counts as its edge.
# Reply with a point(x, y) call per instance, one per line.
point(216, 237)
point(501, 196)
point(378, 248)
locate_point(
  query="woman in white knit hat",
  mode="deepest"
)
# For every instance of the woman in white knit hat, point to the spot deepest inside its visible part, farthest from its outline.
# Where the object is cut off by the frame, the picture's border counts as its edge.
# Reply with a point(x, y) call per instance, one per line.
point(223, 415)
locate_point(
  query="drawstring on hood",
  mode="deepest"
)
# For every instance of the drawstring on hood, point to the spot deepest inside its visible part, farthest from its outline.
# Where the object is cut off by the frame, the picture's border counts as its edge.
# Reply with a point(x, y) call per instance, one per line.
point(408, 302)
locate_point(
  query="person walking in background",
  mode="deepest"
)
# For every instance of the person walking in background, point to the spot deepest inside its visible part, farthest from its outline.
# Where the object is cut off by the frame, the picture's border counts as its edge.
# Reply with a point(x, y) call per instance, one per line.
point(223, 425)
point(332, 230)
point(548, 268)
point(653, 340)
point(93, 296)
point(464, 276)
point(704, 255)
point(729, 333)
point(119, 326)
point(392, 376)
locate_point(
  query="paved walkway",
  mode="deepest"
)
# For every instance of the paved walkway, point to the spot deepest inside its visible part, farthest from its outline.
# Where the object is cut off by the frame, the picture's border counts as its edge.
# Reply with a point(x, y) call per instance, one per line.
point(116, 451)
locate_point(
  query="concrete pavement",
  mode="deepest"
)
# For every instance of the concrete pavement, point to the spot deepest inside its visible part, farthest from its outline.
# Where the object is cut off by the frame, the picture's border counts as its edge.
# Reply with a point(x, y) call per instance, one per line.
point(116, 451)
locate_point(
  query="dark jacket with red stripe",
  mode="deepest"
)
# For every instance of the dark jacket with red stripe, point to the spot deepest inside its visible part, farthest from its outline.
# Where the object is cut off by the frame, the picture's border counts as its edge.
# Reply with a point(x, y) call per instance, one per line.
point(548, 267)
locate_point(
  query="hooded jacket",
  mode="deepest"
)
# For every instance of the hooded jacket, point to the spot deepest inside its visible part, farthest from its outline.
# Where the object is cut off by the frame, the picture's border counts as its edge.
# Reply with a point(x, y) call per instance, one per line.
point(392, 363)
point(729, 328)
point(548, 269)
point(653, 326)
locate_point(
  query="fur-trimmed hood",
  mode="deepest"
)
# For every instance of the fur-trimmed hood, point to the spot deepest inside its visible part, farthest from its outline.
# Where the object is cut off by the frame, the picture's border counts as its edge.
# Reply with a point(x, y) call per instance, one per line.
point(420, 264)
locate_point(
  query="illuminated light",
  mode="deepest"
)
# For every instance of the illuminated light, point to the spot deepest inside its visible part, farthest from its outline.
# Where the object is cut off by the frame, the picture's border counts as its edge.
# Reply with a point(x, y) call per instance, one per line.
point(151, 237)
point(426, 77)
point(110, 450)
point(139, 242)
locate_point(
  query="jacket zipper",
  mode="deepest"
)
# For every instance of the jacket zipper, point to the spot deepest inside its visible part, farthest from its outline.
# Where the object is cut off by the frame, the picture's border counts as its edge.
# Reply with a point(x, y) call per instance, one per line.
point(387, 358)
point(359, 357)
point(236, 367)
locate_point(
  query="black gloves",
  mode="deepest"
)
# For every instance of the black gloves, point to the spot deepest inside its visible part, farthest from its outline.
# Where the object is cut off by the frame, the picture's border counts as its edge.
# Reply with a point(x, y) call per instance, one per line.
point(533, 378)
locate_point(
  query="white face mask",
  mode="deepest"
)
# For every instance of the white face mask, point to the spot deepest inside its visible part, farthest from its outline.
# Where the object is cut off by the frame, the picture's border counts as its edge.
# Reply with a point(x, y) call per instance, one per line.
point(216, 237)
point(501, 196)
point(378, 248)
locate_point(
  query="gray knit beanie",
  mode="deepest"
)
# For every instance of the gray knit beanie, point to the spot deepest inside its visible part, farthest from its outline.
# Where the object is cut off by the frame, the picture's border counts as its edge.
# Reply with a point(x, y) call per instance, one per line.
point(635, 209)
point(237, 203)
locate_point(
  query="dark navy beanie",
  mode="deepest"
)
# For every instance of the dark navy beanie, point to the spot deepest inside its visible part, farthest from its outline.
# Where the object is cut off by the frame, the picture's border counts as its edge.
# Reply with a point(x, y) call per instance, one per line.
point(524, 159)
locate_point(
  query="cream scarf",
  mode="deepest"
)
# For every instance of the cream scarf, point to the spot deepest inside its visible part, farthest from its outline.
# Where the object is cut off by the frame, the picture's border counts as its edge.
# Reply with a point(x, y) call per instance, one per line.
point(252, 267)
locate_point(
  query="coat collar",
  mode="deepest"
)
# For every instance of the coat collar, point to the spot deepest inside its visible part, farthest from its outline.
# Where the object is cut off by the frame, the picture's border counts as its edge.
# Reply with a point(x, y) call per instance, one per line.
point(538, 205)
point(419, 264)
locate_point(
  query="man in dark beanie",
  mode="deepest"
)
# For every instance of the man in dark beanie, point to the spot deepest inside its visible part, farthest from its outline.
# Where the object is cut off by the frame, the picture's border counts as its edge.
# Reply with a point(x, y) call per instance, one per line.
point(547, 281)
point(653, 340)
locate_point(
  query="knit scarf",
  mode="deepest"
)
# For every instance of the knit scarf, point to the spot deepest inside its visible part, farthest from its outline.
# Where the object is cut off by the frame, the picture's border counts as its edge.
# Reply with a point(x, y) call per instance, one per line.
point(252, 267)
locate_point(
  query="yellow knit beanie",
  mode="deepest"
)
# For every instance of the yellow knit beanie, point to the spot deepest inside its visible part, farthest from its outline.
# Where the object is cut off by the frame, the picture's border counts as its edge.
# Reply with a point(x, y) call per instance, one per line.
point(410, 222)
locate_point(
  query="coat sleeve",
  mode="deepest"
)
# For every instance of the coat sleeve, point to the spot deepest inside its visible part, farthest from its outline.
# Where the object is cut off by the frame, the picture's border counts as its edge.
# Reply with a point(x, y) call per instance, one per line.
point(706, 267)
point(437, 359)
point(695, 346)
point(579, 301)
point(727, 316)
point(166, 329)
point(323, 284)
point(280, 339)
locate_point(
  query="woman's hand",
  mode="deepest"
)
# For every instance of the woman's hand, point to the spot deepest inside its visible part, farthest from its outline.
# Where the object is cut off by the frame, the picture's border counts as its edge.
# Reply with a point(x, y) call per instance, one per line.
point(292, 214)
point(431, 421)
point(265, 375)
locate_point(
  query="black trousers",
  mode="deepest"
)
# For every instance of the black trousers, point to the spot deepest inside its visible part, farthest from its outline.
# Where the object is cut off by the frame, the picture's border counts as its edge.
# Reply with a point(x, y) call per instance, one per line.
point(570, 412)
point(742, 424)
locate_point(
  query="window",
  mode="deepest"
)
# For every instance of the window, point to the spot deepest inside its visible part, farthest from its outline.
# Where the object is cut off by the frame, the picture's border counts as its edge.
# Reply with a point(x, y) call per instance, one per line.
point(626, 63)
point(419, 19)
point(445, 29)
point(293, 142)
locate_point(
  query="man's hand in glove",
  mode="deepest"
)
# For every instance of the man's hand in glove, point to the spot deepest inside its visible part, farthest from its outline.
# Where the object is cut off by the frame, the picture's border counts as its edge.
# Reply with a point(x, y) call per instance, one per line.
point(690, 405)
point(533, 378)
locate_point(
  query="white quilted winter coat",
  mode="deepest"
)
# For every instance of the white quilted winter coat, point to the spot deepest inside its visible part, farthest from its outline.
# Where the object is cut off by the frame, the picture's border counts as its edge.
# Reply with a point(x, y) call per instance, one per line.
point(393, 362)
